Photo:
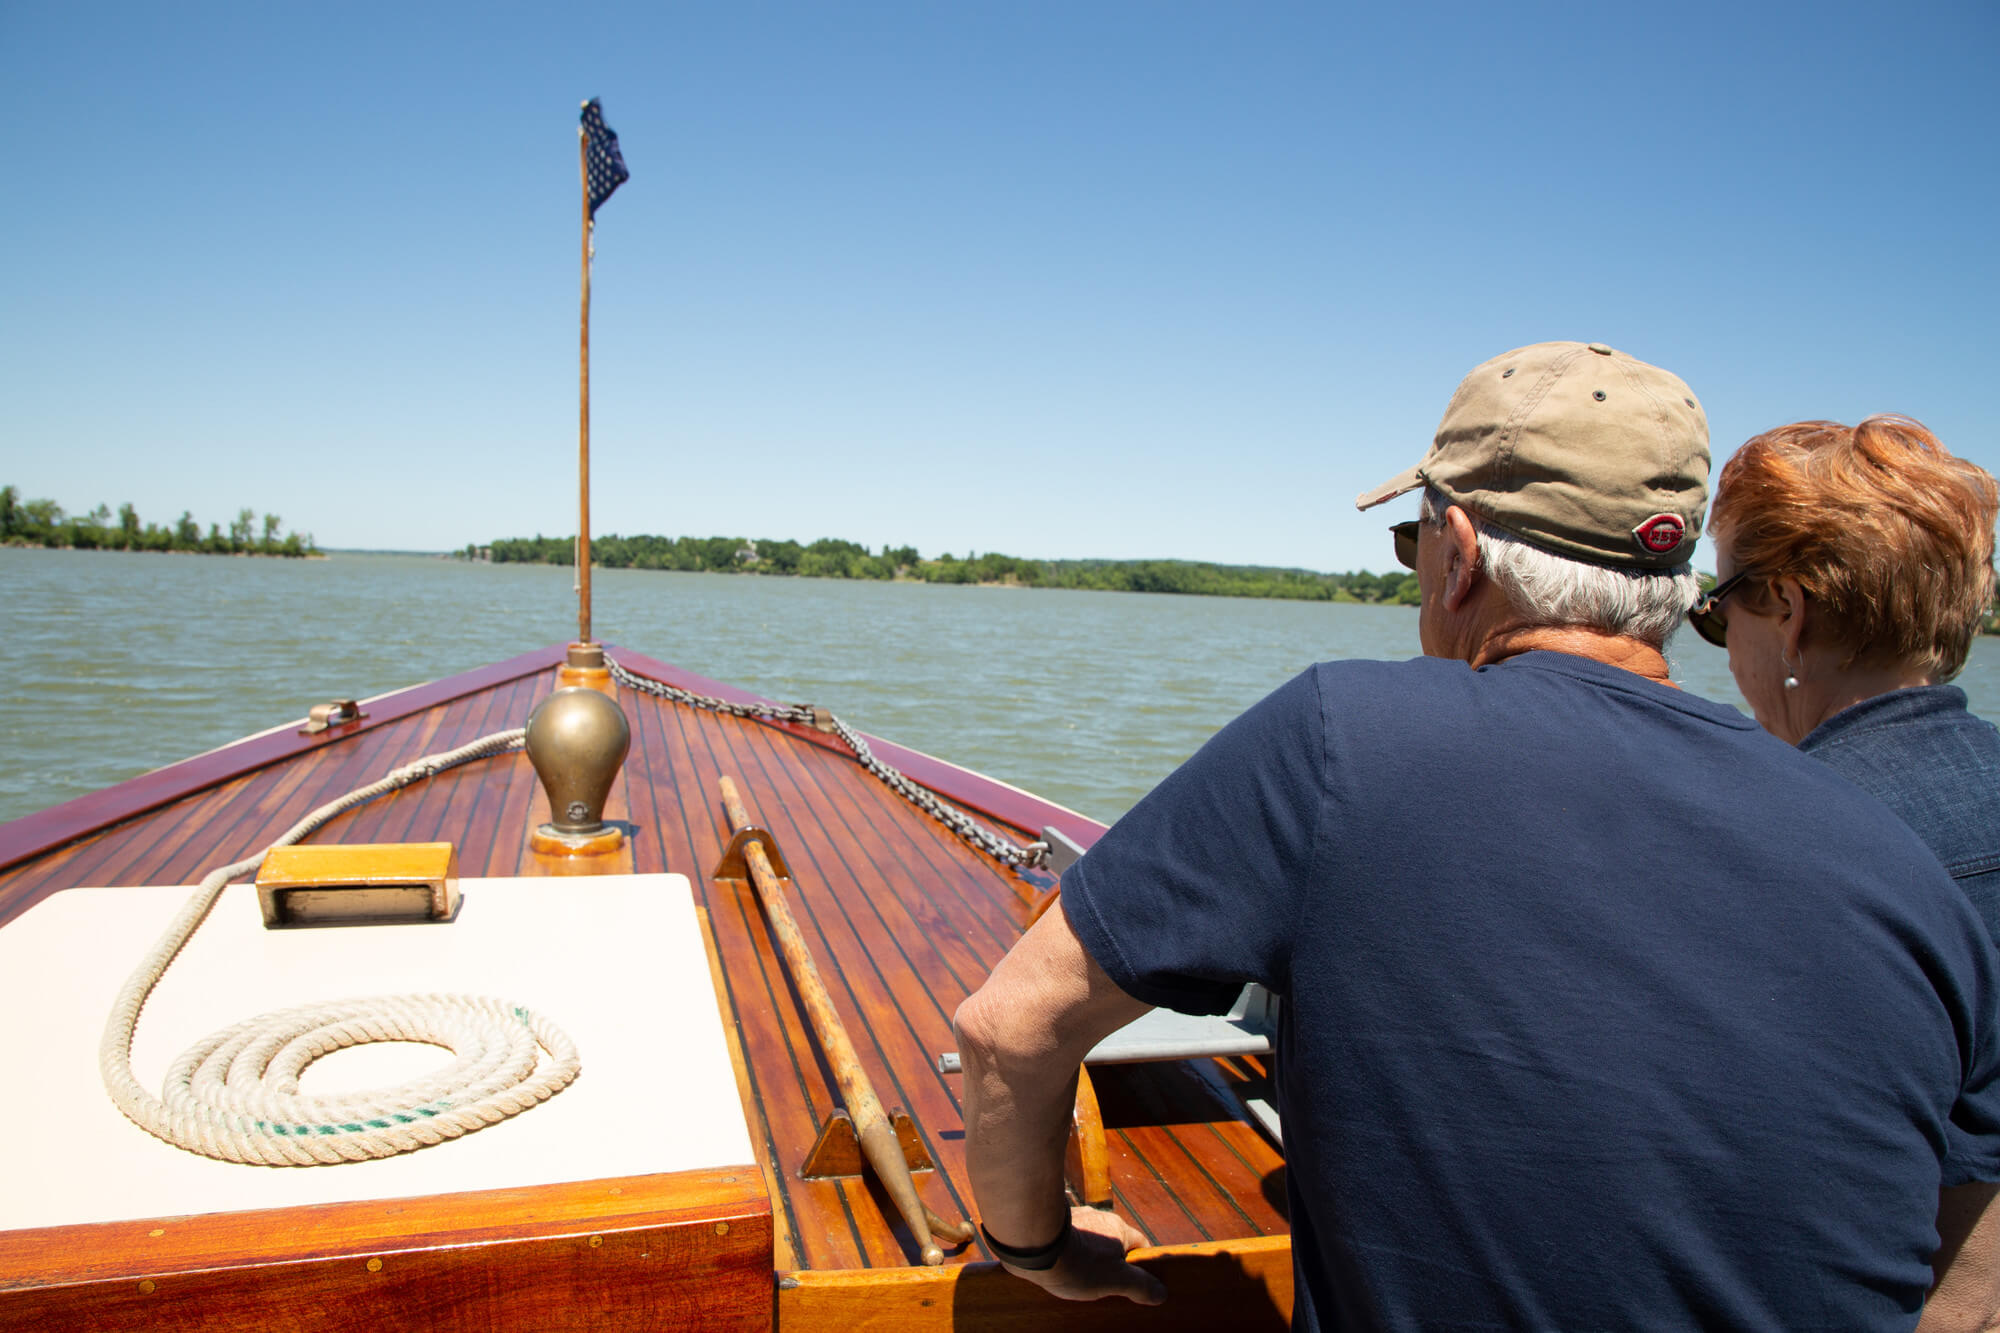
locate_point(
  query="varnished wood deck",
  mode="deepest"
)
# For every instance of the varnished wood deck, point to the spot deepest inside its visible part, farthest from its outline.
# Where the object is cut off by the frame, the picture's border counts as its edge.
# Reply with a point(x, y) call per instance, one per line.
point(903, 918)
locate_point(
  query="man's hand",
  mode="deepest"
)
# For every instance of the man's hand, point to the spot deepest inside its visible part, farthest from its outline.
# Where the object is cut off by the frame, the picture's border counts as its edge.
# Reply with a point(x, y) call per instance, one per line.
point(1093, 1263)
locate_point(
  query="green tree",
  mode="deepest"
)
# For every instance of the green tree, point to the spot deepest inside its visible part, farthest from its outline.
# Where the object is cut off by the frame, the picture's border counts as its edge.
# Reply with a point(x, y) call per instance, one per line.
point(10, 505)
point(783, 557)
point(42, 521)
point(271, 525)
point(92, 530)
point(128, 526)
point(187, 533)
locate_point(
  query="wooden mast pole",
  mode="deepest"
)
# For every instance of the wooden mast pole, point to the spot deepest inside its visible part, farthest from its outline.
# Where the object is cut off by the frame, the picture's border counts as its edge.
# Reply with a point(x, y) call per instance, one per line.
point(583, 411)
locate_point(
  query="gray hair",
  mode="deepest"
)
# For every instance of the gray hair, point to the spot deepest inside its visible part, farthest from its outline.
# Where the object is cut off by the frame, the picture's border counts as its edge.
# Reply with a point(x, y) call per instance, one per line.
point(1551, 589)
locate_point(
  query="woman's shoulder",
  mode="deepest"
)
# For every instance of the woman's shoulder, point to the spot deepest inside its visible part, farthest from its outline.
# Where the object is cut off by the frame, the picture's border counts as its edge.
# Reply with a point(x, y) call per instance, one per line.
point(1923, 754)
point(1916, 720)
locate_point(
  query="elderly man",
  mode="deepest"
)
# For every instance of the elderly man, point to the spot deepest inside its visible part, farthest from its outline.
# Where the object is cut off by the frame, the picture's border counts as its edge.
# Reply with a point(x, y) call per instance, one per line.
point(1602, 1007)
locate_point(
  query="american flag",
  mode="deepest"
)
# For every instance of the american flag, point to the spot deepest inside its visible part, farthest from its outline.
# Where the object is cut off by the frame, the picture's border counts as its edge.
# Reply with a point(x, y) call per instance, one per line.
point(604, 165)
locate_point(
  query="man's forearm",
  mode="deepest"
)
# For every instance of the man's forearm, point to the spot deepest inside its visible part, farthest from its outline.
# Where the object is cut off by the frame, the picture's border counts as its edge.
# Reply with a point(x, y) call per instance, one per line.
point(1017, 1115)
point(1021, 1038)
point(1966, 1295)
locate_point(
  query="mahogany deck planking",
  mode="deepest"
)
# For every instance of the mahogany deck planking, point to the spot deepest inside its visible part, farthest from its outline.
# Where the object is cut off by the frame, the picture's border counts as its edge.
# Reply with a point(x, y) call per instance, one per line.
point(903, 918)
point(879, 978)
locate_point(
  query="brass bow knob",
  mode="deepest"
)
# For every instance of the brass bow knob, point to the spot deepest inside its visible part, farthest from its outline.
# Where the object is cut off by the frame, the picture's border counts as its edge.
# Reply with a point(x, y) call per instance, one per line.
point(577, 739)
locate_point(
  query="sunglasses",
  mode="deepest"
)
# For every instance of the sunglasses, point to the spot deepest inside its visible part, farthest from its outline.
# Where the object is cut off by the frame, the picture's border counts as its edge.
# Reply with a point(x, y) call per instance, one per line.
point(1705, 615)
point(1406, 541)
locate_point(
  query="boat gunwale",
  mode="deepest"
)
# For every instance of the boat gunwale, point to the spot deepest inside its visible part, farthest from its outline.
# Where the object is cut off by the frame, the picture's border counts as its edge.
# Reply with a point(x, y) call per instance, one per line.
point(50, 830)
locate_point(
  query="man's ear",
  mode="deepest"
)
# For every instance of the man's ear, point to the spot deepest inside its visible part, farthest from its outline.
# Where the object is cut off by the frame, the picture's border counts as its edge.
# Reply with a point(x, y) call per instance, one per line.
point(1461, 567)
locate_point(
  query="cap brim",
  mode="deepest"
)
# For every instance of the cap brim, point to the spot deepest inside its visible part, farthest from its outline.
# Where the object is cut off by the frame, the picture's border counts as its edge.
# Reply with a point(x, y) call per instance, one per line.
point(1401, 484)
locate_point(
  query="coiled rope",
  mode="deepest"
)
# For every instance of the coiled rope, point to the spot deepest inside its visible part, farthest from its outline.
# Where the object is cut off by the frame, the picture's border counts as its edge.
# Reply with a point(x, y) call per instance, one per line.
point(969, 830)
point(235, 1094)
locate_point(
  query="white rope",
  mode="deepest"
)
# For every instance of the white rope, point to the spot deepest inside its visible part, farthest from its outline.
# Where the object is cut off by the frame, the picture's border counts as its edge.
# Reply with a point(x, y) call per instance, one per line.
point(235, 1094)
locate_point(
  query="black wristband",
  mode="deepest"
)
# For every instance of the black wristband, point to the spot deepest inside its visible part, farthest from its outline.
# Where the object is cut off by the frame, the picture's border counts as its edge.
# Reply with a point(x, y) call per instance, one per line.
point(1035, 1260)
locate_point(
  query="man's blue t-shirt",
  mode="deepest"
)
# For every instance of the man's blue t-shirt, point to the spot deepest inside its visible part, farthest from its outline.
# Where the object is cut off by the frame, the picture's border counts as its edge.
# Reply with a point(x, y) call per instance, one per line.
point(1603, 1008)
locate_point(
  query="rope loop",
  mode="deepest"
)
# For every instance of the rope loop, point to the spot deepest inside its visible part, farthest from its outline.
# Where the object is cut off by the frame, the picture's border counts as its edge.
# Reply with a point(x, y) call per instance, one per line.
point(234, 1095)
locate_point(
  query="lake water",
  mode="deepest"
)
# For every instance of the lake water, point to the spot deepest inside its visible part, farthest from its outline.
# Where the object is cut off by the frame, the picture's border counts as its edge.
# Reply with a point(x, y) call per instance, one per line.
point(114, 663)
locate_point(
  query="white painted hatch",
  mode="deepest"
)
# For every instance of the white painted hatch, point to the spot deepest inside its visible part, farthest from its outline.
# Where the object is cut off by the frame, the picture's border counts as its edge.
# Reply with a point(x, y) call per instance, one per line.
point(616, 961)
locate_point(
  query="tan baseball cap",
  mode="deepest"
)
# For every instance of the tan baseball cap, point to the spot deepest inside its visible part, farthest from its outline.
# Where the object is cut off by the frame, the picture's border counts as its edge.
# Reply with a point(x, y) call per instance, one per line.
point(1576, 448)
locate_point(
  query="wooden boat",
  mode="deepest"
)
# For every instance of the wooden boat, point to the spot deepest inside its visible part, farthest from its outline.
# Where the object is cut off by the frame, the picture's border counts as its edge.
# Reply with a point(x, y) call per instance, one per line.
point(903, 920)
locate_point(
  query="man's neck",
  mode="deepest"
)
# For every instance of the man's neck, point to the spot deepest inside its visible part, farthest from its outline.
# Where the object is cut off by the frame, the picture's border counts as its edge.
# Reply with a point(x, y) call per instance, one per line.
point(1618, 650)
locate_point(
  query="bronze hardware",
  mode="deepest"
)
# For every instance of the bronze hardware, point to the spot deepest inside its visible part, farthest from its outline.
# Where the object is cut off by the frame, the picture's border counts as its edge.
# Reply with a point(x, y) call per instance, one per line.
point(335, 713)
point(577, 740)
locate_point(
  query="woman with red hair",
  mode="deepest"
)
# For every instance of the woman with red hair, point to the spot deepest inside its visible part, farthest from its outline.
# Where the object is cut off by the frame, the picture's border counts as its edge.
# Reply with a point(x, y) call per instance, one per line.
point(1855, 567)
point(1855, 564)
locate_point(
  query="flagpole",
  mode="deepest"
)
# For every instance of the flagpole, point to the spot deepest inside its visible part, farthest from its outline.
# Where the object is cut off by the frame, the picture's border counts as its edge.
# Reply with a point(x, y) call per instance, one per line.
point(583, 411)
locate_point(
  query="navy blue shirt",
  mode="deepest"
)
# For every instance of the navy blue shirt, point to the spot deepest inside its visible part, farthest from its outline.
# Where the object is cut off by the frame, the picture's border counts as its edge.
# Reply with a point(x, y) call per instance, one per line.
point(1604, 1009)
point(1923, 754)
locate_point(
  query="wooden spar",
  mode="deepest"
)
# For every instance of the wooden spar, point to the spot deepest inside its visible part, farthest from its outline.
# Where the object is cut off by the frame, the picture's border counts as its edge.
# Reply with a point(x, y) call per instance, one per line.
point(872, 1126)
point(583, 411)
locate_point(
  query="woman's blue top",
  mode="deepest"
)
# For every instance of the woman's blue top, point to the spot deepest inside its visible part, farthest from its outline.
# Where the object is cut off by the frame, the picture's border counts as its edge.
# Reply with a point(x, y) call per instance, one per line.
point(1923, 754)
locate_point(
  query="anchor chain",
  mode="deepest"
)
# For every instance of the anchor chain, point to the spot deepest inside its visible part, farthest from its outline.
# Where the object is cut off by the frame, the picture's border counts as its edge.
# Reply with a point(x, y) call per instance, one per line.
point(1003, 850)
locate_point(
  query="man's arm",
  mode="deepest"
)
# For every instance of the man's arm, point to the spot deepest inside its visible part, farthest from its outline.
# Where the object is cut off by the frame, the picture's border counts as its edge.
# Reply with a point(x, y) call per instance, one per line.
point(1966, 1291)
point(1021, 1037)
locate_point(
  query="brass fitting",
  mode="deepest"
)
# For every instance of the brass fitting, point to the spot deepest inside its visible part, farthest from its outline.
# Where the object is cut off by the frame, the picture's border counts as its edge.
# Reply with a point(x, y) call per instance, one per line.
point(577, 740)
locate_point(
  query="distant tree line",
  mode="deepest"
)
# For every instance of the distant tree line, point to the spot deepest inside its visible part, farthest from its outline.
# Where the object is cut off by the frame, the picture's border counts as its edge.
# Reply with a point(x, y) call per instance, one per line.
point(43, 523)
point(833, 558)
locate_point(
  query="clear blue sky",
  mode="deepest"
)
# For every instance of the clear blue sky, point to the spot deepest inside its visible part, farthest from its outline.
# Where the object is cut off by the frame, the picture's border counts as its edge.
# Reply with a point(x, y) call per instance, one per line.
point(1072, 279)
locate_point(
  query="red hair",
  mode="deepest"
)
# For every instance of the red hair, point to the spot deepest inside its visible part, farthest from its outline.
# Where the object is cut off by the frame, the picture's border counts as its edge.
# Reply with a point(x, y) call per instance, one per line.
point(1887, 532)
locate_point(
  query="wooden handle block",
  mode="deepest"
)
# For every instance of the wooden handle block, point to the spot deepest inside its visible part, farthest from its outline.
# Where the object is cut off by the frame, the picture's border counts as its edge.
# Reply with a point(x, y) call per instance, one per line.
point(353, 882)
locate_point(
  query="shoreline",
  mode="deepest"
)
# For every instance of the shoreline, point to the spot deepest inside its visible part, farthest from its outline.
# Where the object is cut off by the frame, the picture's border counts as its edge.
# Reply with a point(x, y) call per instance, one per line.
point(16, 544)
point(831, 557)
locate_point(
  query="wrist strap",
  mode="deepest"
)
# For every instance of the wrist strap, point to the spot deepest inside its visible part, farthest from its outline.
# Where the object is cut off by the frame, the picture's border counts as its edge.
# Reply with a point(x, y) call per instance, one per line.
point(1035, 1260)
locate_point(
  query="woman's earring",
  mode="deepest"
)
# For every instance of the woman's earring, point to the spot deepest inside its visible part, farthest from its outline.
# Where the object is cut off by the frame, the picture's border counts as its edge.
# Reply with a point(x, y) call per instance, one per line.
point(1791, 673)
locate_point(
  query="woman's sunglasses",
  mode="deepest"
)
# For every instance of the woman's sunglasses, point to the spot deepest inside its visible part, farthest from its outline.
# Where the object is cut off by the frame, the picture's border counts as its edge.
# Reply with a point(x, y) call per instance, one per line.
point(1706, 616)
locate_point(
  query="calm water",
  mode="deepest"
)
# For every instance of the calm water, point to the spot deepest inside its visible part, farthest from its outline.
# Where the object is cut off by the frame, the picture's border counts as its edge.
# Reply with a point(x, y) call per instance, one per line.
point(114, 663)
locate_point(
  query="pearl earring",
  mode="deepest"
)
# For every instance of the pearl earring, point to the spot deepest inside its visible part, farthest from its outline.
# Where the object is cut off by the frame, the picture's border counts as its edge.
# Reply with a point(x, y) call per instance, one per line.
point(1791, 673)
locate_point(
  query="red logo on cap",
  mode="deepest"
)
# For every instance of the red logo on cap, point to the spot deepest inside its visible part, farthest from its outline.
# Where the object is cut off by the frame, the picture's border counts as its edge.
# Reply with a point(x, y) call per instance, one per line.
point(1661, 533)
